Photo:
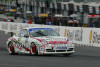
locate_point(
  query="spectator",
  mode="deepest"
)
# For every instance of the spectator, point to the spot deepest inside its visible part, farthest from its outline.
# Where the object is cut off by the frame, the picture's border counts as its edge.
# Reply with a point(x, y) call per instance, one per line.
point(65, 22)
point(76, 23)
point(53, 20)
point(8, 20)
point(15, 16)
point(48, 22)
point(29, 22)
point(11, 20)
point(70, 22)
point(4, 20)
point(24, 21)
point(39, 21)
point(58, 21)
point(43, 21)
point(62, 21)
point(36, 20)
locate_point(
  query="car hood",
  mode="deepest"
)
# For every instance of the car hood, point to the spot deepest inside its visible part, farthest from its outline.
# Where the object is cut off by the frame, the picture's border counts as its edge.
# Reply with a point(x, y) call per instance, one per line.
point(53, 39)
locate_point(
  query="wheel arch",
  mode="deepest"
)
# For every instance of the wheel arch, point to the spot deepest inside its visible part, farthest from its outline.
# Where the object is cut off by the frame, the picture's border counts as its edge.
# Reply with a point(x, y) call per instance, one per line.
point(8, 43)
point(36, 53)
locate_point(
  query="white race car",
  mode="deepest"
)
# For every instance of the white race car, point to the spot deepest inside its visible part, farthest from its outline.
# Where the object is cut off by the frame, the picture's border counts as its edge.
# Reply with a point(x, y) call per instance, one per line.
point(39, 41)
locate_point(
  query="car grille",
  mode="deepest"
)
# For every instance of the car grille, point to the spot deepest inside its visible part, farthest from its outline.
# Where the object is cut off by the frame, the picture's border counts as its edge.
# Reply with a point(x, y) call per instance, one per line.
point(60, 50)
point(58, 45)
point(70, 49)
point(50, 50)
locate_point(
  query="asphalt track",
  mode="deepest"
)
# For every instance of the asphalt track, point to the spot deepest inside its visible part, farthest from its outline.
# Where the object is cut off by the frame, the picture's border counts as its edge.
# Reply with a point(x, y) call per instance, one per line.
point(83, 57)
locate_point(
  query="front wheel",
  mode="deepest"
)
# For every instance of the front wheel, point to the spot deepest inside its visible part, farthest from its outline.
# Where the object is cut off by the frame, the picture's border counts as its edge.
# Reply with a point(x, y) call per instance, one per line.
point(11, 49)
point(34, 50)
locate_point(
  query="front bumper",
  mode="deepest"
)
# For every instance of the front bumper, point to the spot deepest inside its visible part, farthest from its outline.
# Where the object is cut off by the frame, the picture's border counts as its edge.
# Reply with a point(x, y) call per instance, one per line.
point(70, 52)
point(57, 51)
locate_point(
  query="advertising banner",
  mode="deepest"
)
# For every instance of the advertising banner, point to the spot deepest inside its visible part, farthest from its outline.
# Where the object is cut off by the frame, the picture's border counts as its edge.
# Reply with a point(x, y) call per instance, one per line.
point(90, 9)
point(43, 15)
point(81, 8)
point(82, 36)
point(75, 7)
point(97, 10)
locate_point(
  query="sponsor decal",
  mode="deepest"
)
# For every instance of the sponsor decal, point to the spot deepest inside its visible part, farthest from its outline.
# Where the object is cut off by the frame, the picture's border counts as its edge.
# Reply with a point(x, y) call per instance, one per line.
point(65, 34)
point(57, 42)
point(41, 49)
point(42, 29)
point(76, 35)
point(19, 40)
point(90, 38)
point(37, 39)
point(63, 48)
point(11, 39)
point(70, 34)
point(19, 45)
point(96, 37)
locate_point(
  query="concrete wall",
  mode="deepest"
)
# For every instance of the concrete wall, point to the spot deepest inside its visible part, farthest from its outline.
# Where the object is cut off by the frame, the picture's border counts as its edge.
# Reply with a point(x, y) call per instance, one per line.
point(3, 39)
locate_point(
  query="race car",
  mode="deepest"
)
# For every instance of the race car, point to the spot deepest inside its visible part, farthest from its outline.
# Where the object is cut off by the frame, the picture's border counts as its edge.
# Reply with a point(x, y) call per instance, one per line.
point(39, 41)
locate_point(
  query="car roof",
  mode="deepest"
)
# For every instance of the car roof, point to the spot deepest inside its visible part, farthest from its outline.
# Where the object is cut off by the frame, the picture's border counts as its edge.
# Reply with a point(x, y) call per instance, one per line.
point(33, 27)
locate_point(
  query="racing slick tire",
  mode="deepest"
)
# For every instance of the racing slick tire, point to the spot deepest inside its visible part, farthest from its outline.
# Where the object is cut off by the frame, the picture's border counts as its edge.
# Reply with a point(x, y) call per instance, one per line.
point(68, 54)
point(11, 49)
point(34, 50)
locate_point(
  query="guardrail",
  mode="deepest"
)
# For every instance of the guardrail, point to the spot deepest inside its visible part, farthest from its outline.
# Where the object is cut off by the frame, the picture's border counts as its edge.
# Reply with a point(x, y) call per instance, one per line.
point(78, 35)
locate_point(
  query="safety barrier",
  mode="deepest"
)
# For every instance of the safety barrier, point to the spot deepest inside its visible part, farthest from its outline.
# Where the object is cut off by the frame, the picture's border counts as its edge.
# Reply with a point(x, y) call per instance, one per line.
point(78, 35)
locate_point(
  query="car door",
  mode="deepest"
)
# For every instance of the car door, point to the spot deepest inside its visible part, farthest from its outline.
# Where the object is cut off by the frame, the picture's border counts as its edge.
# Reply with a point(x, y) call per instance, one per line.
point(16, 41)
point(17, 36)
point(24, 40)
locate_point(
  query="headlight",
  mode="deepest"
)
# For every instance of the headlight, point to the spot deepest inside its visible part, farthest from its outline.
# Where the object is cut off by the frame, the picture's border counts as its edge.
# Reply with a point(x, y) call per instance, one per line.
point(43, 41)
point(70, 44)
point(49, 45)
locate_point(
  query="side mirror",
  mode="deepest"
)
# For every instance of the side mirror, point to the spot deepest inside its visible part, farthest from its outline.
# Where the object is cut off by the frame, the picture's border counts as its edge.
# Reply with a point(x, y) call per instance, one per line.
point(26, 36)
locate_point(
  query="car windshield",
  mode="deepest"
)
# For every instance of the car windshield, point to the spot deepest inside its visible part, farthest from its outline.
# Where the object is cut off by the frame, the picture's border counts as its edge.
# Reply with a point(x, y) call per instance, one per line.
point(37, 32)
